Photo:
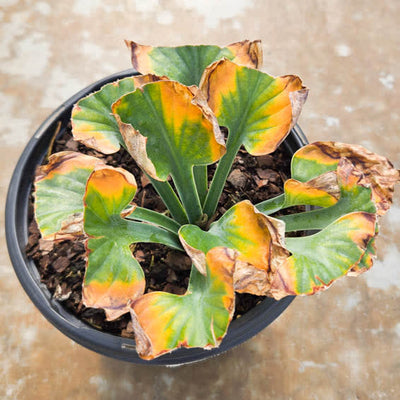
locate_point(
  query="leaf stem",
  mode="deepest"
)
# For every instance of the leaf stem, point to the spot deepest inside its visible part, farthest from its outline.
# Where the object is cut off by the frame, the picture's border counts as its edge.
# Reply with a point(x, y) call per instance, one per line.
point(186, 187)
point(309, 220)
point(218, 182)
point(170, 200)
point(201, 178)
point(153, 217)
point(320, 218)
point(146, 233)
point(270, 206)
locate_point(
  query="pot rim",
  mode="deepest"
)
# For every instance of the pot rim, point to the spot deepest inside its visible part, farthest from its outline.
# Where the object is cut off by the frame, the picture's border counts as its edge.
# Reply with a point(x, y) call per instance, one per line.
point(16, 217)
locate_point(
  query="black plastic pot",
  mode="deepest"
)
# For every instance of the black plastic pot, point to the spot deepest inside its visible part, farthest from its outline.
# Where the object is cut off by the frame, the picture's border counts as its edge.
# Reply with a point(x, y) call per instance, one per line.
point(117, 347)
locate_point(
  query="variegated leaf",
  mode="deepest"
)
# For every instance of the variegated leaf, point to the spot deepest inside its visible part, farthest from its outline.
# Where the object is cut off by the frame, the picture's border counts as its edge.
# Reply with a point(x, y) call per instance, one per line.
point(171, 130)
point(200, 318)
point(320, 157)
point(320, 259)
point(258, 109)
point(59, 189)
point(355, 195)
point(257, 239)
point(322, 192)
point(178, 134)
point(92, 121)
point(186, 64)
point(113, 276)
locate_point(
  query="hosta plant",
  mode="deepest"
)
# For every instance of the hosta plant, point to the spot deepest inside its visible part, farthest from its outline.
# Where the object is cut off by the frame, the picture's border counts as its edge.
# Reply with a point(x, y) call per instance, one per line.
point(169, 119)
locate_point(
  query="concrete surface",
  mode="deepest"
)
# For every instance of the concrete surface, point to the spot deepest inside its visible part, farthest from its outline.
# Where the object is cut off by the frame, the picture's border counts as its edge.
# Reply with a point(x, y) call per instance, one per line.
point(342, 344)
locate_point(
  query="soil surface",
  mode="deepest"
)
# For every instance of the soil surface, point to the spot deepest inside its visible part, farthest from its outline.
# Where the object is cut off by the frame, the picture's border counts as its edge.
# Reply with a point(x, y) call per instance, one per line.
point(62, 265)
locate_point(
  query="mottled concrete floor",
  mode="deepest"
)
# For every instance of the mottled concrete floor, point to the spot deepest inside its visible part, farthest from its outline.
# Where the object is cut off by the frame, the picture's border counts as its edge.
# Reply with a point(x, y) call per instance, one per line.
point(342, 344)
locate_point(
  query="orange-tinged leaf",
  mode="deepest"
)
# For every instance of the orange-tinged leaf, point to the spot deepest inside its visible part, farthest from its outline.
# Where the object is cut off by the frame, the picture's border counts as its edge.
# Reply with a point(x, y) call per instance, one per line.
point(112, 296)
point(319, 157)
point(59, 190)
point(200, 318)
point(257, 241)
point(175, 133)
point(310, 193)
point(186, 64)
point(347, 184)
point(320, 259)
point(258, 109)
point(92, 121)
point(113, 276)
point(247, 53)
point(112, 183)
point(256, 237)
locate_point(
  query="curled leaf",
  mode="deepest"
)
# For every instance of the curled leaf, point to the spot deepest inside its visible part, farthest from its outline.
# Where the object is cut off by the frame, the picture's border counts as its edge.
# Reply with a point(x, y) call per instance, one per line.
point(247, 53)
point(163, 321)
point(355, 195)
point(322, 192)
point(367, 260)
point(258, 109)
point(175, 134)
point(59, 190)
point(320, 259)
point(320, 157)
point(92, 121)
point(113, 276)
point(186, 64)
point(257, 239)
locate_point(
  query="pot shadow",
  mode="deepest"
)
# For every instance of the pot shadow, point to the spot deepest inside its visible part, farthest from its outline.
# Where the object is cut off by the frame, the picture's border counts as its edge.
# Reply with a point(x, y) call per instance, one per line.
point(223, 376)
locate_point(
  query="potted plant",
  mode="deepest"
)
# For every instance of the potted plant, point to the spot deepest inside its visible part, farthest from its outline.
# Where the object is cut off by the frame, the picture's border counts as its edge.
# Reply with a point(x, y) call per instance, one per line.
point(169, 120)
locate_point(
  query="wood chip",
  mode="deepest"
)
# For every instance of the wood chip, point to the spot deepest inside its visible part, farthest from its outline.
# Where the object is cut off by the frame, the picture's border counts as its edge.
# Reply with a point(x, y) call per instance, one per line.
point(139, 255)
point(46, 245)
point(266, 161)
point(178, 261)
point(61, 263)
point(269, 174)
point(237, 178)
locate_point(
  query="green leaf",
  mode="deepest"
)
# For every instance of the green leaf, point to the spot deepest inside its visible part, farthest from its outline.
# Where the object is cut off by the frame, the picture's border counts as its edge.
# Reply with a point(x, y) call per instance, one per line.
point(322, 191)
point(200, 318)
point(59, 189)
point(320, 259)
point(145, 215)
point(355, 195)
point(257, 240)
point(320, 157)
point(367, 260)
point(258, 110)
point(92, 121)
point(172, 131)
point(186, 64)
point(113, 277)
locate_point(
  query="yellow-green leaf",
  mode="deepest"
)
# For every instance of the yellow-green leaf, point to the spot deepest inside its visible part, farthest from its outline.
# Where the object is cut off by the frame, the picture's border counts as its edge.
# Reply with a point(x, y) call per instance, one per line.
point(257, 239)
point(59, 190)
point(314, 193)
point(199, 318)
point(178, 133)
point(186, 64)
point(258, 109)
point(320, 157)
point(92, 121)
point(113, 277)
point(354, 194)
point(320, 259)
point(168, 130)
